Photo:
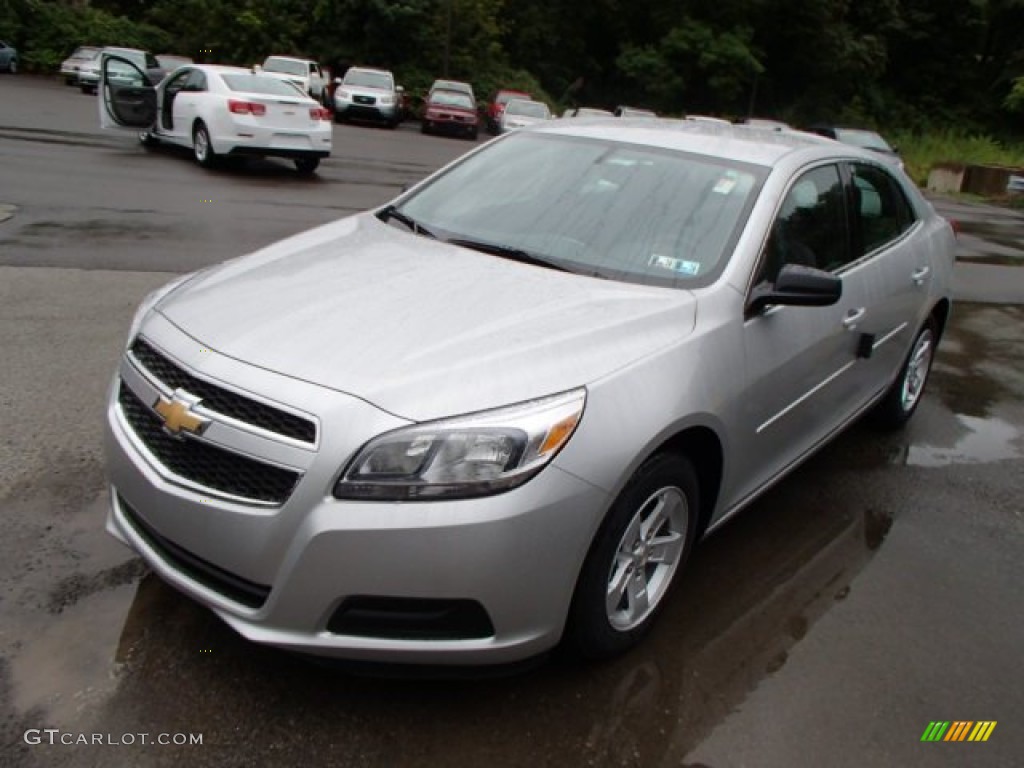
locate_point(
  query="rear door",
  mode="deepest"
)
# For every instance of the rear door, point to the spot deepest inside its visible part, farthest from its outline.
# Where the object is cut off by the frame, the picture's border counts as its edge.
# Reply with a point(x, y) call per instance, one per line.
point(127, 102)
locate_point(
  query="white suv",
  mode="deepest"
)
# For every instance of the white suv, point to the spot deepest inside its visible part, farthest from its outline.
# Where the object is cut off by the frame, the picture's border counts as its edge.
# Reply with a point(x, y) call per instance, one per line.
point(305, 73)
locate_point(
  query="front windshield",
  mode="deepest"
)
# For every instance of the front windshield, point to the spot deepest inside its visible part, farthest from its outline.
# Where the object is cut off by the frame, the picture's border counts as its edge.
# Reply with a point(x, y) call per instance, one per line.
point(286, 67)
point(610, 209)
point(366, 79)
point(451, 99)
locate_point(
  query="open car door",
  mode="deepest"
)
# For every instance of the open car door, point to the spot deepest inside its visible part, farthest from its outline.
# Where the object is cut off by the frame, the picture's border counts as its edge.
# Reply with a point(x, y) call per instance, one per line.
point(127, 101)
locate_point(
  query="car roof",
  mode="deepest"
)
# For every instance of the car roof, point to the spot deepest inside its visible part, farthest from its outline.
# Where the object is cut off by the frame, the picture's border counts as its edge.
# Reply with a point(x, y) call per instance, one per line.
point(739, 143)
point(369, 69)
point(288, 58)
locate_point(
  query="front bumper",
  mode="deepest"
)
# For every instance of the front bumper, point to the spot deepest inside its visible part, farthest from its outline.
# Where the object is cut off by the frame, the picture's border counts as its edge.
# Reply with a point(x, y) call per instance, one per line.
point(348, 109)
point(282, 575)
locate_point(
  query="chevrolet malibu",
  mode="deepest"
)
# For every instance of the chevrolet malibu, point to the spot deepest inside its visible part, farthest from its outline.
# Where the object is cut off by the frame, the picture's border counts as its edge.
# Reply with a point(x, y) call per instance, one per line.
point(497, 413)
point(216, 112)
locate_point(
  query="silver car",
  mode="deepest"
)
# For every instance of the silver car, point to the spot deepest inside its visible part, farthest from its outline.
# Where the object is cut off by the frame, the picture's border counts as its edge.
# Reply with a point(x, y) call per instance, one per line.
point(499, 412)
point(521, 113)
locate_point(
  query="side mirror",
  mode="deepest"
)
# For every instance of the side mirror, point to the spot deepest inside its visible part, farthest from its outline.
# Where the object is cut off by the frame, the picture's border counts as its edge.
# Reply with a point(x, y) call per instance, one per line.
point(399, 89)
point(337, 81)
point(257, 68)
point(797, 286)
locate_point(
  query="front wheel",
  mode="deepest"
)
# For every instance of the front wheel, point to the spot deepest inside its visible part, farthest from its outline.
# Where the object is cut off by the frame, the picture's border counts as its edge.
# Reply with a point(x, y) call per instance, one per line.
point(902, 398)
point(635, 558)
point(306, 165)
point(12, 67)
point(202, 149)
point(147, 139)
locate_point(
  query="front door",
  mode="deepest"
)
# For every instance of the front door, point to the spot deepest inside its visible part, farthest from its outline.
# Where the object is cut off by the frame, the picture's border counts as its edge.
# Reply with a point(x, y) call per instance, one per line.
point(127, 101)
point(805, 373)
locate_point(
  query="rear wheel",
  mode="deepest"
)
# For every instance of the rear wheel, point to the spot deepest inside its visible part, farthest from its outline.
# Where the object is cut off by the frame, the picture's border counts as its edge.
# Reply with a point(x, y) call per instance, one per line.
point(903, 397)
point(147, 139)
point(306, 165)
point(12, 67)
point(202, 149)
point(87, 88)
point(636, 557)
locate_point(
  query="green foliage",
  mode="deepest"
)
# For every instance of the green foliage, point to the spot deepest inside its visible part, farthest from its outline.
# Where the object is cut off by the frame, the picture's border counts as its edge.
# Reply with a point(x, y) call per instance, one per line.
point(923, 151)
point(1015, 98)
point(50, 31)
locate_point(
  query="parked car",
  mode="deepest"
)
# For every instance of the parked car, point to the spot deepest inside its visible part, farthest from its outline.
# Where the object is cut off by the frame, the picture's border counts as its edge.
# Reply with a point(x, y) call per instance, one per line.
point(216, 111)
point(89, 73)
point(453, 85)
point(82, 55)
point(860, 137)
point(500, 410)
point(520, 113)
point(305, 73)
point(623, 111)
point(368, 94)
point(497, 105)
point(452, 112)
point(171, 61)
point(8, 58)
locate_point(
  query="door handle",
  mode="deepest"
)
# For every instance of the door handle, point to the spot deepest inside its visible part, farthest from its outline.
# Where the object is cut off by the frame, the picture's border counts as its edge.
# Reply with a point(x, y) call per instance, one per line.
point(853, 318)
point(920, 275)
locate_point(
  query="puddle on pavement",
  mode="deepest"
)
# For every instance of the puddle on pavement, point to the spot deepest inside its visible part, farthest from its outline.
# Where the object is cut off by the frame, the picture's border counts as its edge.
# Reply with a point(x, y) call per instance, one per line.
point(980, 441)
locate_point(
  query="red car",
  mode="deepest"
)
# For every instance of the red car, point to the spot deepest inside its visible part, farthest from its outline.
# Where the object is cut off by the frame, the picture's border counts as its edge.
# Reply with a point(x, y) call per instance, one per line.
point(450, 112)
point(497, 106)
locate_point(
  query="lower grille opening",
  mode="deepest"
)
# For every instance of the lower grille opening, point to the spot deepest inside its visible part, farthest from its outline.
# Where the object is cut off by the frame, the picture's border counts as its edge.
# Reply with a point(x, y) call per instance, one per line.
point(404, 618)
point(233, 587)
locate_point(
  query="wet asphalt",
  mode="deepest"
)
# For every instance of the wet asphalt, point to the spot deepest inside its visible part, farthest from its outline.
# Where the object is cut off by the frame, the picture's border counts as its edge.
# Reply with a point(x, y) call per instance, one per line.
point(873, 591)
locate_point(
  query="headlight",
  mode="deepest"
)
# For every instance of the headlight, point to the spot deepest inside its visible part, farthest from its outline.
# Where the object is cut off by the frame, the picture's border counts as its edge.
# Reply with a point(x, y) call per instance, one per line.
point(475, 455)
point(387, 101)
point(343, 95)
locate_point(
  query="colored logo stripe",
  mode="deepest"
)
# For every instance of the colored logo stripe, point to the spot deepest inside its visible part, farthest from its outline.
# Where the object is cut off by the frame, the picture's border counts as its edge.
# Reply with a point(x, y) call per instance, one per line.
point(958, 730)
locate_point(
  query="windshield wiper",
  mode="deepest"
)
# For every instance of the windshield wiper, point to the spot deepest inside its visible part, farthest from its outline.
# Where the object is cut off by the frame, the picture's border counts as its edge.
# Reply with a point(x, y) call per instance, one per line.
point(506, 252)
point(391, 212)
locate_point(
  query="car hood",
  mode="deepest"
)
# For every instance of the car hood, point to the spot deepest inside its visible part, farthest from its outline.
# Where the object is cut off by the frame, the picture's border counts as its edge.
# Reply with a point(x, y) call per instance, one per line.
point(285, 76)
point(420, 328)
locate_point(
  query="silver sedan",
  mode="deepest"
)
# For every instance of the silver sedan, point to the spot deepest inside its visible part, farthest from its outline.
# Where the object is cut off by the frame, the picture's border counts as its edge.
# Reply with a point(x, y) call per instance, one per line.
point(499, 412)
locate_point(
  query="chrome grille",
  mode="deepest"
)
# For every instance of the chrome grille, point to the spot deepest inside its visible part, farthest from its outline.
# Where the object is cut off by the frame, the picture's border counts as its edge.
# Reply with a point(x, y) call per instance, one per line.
point(204, 464)
point(220, 400)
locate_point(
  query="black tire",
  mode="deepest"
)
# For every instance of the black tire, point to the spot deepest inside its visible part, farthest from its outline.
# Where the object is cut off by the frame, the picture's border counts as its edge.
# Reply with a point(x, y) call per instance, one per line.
point(202, 149)
point(665, 483)
point(147, 139)
point(12, 66)
point(473, 134)
point(306, 166)
point(904, 395)
point(87, 89)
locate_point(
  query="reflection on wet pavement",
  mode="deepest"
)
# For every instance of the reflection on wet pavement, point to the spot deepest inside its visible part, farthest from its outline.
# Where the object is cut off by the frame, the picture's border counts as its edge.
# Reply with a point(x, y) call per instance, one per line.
point(122, 658)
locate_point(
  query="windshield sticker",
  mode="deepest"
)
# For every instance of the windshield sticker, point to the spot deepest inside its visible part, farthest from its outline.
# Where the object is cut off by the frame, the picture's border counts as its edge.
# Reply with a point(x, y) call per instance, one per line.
point(726, 184)
point(681, 266)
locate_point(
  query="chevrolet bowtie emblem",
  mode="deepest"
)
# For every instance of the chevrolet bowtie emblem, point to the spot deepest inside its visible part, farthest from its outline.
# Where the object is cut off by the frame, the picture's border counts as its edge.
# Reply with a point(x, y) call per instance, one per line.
point(178, 416)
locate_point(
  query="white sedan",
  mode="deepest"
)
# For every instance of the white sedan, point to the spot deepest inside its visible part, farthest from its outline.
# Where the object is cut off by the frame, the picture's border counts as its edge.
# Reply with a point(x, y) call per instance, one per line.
point(216, 111)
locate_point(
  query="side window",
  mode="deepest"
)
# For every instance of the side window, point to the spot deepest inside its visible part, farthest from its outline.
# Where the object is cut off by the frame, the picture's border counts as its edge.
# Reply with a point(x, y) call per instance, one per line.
point(881, 211)
point(151, 62)
point(177, 83)
point(196, 81)
point(810, 228)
